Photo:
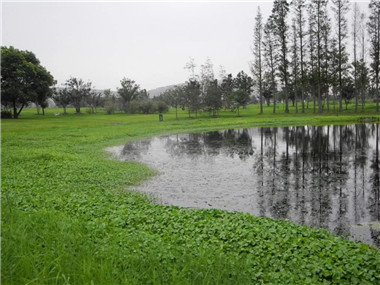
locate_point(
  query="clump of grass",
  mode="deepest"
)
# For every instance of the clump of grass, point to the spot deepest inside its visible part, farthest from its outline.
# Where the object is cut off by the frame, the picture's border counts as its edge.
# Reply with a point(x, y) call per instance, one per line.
point(67, 217)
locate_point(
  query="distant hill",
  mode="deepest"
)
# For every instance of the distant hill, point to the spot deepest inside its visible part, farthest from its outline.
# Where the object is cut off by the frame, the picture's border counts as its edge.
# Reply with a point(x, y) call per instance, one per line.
point(158, 91)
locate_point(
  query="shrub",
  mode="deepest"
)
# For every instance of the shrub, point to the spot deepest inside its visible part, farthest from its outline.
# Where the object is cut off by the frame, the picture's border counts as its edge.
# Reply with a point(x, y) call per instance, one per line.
point(5, 114)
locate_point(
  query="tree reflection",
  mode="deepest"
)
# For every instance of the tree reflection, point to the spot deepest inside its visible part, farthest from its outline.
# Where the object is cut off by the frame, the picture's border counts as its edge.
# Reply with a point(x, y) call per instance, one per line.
point(324, 176)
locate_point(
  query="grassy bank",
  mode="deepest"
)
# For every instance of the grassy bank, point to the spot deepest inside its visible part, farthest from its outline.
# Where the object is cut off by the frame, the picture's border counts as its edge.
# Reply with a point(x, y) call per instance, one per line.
point(68, 219)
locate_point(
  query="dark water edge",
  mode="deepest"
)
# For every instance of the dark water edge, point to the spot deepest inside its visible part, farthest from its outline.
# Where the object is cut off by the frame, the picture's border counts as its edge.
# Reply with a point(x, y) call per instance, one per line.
point(321, 176)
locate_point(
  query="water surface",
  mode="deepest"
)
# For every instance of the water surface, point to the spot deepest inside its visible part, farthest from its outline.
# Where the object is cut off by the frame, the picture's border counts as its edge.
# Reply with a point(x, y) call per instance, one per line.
point(322, 176)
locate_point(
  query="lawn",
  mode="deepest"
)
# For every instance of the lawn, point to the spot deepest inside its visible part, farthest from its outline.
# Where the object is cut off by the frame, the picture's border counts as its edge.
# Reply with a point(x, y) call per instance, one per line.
point(69, 218)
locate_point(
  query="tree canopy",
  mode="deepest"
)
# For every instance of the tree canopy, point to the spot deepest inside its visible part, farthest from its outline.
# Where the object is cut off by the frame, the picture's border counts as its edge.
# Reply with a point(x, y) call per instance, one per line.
point(23, 80)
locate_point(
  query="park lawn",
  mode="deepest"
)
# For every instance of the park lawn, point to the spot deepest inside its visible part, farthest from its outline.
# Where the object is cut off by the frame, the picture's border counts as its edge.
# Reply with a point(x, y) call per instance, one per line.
point(68, 217)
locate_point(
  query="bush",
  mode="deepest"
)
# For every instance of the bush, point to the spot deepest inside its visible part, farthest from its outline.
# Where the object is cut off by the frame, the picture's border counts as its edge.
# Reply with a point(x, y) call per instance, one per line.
point(5, 114)
point(162, 107)
point(147, 107)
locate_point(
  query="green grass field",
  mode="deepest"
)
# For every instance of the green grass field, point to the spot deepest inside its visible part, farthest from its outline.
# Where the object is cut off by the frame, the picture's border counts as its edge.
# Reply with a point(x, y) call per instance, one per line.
point(68, 217)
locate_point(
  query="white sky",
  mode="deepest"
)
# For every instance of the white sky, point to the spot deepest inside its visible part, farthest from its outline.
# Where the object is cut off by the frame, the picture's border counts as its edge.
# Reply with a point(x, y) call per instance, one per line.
point(148, 42)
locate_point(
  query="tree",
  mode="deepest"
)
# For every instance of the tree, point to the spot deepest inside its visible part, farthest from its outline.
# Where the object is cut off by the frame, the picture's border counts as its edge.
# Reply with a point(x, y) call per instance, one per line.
point(190, 66)
point(175, 98)
point(374, 37)
point(279, 13)
point(257, 69)
point(213, 97)
point(270, 60)
point(23, 79)
point(227, 88)
point(129, 91)
point(110, 101)
point(299, 7)
point(95, 100)
point(355, 37)
point(363, 71)
point(78, 91)
point(318, 33)
point(192, 99)
point(243, 84)
point(207, 75)
point(295, 64)
point(341, 7)
point(62, 98)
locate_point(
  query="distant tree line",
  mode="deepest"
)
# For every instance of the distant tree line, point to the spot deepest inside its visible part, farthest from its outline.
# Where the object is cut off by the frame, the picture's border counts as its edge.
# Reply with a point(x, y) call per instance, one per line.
point(203, 92)
point(301, 55)
point(129, 98)
point(300, 58)
point(25, 81)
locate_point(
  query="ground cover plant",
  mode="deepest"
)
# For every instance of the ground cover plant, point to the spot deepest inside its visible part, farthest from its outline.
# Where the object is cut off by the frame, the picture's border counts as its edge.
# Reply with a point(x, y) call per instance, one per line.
point(68, 217)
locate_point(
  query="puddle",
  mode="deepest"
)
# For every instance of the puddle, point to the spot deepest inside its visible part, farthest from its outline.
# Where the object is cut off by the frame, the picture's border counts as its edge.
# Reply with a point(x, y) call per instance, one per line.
point(322, 176)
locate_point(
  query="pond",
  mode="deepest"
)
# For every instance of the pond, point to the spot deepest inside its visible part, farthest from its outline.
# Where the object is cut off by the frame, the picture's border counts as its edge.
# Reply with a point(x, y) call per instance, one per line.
point(322, 176)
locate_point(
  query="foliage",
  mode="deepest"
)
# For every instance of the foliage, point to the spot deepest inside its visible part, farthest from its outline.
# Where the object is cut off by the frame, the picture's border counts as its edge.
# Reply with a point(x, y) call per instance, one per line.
point(23, 80)
point(94, 100)
point(6, 114)
point(213, 97)
point(128, 92)
point(62, 98)
point(110, 101)
point(78, 92)
point(192, 98)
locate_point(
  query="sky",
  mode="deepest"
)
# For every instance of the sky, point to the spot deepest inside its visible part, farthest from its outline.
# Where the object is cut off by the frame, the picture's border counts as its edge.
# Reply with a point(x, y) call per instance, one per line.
point(148, 42)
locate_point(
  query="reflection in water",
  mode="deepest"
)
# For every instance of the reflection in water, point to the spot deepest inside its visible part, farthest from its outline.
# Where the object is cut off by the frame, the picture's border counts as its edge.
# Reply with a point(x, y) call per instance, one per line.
point(323, 176)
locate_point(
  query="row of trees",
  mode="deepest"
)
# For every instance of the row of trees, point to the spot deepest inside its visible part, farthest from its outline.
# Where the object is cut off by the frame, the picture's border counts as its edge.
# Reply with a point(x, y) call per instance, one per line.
point(300, 54)
point(25, 81)
point(129, 98)
point(207, 94)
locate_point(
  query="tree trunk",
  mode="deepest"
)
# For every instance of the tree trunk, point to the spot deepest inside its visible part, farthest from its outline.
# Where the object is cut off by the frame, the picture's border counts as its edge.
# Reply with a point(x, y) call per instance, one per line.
point(15, 114)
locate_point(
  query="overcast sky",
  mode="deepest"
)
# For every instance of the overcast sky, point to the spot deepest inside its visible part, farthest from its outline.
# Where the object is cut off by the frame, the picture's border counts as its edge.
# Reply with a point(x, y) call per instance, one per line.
point(147, 42)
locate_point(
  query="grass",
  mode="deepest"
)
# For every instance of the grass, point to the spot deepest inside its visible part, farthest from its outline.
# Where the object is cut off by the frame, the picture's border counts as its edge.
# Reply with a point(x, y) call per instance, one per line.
point(68, 218)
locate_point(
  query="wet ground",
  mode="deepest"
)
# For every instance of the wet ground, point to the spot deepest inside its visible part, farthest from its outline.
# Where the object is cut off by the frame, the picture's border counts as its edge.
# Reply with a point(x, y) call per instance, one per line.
point(322, 176)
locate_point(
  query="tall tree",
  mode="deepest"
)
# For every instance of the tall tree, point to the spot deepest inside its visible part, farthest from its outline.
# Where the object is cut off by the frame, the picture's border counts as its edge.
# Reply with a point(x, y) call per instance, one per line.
point(362, 66)
point(355, 38)
point(207, 75)
point(279, 13)
point(295, 64)
point(257, 69)
point(326, 51)
point(341, 8)
point(23, 79)
point(318, 18)
point(129, 91)
point(270, 47)
point(299, 10)
point(374, 37)
point(190, 66)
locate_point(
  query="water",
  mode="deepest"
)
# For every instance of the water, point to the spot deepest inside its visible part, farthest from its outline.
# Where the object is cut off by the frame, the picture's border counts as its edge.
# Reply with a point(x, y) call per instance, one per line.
point(322, 176)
